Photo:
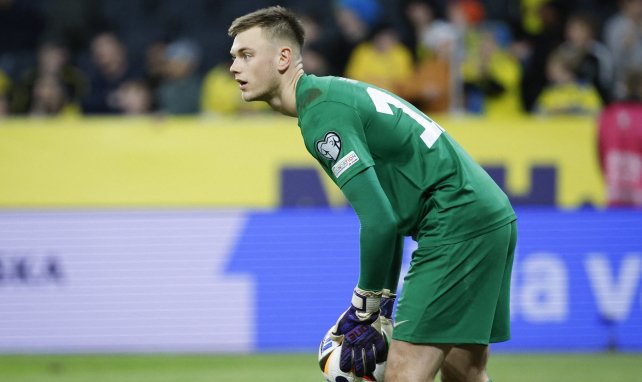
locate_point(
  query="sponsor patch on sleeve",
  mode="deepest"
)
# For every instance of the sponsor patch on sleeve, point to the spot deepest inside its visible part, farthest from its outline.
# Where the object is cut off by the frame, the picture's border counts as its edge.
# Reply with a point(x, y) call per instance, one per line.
point(344, 163)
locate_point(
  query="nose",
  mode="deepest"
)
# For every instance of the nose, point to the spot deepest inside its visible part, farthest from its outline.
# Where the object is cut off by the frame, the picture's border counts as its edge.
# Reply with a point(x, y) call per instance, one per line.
point(233, 67)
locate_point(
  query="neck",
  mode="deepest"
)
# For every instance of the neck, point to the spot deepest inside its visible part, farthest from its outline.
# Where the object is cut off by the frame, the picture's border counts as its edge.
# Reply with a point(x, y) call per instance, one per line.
point(285, 101)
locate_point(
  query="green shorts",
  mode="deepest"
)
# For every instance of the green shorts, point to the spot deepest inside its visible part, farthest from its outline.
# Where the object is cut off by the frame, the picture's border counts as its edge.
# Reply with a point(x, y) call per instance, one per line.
point(459, 293)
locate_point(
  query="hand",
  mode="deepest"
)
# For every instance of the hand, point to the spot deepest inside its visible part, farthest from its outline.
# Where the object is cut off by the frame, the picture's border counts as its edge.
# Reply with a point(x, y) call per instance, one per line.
point(363, 345)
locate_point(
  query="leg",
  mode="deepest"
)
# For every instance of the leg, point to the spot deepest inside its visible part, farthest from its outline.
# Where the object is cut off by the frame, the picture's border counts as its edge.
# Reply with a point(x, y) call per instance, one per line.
point(465, 363)
point(456, 294)
point(414, 363)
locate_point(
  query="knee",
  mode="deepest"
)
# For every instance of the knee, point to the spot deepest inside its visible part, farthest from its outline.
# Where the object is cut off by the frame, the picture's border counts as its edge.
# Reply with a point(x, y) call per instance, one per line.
point(451, 374)
point(408, 362)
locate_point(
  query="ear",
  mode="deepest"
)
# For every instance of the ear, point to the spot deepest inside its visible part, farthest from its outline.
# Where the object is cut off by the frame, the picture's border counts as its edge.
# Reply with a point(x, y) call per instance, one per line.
point(285, 58)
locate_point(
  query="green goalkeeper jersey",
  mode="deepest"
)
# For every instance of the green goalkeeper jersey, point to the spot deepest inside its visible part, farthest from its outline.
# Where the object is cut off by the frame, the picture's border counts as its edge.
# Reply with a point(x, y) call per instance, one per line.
point(438, 193)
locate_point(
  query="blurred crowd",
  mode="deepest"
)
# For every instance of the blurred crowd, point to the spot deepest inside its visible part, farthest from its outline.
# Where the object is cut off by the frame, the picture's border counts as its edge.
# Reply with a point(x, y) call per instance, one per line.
point(493, 57)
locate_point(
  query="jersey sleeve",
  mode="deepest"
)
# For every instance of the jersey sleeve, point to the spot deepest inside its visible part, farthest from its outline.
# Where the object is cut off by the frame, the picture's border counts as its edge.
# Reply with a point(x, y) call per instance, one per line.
point(333, 134)
point(379, 242)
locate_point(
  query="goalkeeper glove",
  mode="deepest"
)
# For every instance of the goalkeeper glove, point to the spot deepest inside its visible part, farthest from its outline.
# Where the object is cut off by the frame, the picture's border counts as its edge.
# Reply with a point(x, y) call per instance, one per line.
point(363, 345)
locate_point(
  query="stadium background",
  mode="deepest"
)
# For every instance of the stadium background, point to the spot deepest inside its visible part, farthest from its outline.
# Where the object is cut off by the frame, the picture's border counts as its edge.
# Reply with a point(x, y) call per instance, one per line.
point(219, 234)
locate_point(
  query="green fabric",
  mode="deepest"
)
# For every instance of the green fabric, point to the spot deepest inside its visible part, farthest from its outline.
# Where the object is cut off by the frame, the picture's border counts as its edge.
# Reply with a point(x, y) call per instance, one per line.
point(378, 234)
point(400, 171)
point(439, 195)
point(395, 266)
point(459, 293)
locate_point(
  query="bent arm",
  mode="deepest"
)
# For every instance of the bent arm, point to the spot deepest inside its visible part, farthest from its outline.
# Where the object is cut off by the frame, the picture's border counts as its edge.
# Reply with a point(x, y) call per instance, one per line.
point(380, 257)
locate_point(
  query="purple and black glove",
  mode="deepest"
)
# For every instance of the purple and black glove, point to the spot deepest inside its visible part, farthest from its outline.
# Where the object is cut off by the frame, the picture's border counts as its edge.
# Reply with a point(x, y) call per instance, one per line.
point(363, 345)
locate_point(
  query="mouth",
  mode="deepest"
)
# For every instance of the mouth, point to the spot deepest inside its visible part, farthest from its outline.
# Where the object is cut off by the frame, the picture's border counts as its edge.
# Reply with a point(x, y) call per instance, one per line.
point(242, 84)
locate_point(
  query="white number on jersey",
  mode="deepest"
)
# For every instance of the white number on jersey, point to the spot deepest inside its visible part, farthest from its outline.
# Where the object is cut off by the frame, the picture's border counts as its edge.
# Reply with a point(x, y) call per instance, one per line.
point(382, 102)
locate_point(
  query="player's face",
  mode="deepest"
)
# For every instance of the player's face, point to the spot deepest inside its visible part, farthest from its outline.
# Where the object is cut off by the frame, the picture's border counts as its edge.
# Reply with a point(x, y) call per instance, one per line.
point(254, 65)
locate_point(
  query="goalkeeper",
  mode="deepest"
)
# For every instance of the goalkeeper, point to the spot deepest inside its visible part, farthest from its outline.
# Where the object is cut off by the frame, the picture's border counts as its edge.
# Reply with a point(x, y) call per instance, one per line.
point(404, 176)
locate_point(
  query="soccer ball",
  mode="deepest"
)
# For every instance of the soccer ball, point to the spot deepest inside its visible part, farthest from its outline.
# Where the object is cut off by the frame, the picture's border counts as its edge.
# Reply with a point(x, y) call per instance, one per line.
point(330, 358)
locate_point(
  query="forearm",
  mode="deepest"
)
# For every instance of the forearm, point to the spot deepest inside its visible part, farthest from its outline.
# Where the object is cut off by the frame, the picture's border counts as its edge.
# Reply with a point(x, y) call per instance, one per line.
point(377, 246)
point(378, 234)
point(395, 266)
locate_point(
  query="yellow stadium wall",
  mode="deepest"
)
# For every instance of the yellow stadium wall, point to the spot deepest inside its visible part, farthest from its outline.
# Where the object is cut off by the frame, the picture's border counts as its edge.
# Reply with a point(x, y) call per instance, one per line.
point(237, 162)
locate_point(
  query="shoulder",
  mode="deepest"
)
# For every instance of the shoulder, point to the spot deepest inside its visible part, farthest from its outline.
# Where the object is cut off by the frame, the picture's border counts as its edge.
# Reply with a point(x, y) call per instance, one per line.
point(333, 107)
point(322, 88)
point(311, 90)
point(326, 95)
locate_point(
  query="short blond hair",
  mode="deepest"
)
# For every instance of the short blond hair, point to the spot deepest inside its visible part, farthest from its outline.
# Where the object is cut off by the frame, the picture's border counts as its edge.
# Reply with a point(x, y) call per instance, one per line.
point(277, 22)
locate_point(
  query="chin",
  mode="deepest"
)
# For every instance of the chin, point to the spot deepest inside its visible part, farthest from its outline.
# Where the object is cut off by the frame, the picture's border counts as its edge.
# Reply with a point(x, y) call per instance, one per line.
point(247, 97)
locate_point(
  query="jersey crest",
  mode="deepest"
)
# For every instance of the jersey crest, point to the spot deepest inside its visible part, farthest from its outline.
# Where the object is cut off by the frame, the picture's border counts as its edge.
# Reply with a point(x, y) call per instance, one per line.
point(330, 146)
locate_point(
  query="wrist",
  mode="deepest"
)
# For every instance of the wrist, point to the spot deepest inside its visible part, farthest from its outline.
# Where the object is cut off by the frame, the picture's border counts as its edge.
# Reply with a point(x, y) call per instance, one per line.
point(366, 302)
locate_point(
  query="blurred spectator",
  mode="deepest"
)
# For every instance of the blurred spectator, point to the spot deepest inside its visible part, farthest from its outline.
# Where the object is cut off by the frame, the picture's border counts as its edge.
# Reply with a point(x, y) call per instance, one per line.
point(110, 69)
point(620, 145)
point(426, 25)
point(339, 42)
point(594, 61)
point(382, 61)
point(220, 94)
point(53, 60)
point(311, 26)
point(535, 50)
point(5, 86)
point(72, 22)
point(179, 91)
point(154, 70)
point(446, 50)
point(134, 98)
point(532, 22)
point(623, 36)
point(369, 11)
point(50, 98)
point(314, 61)
point(470, 12)
point(564, 93)
point(491, 76)
point(429, 87)
point(465, 16)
